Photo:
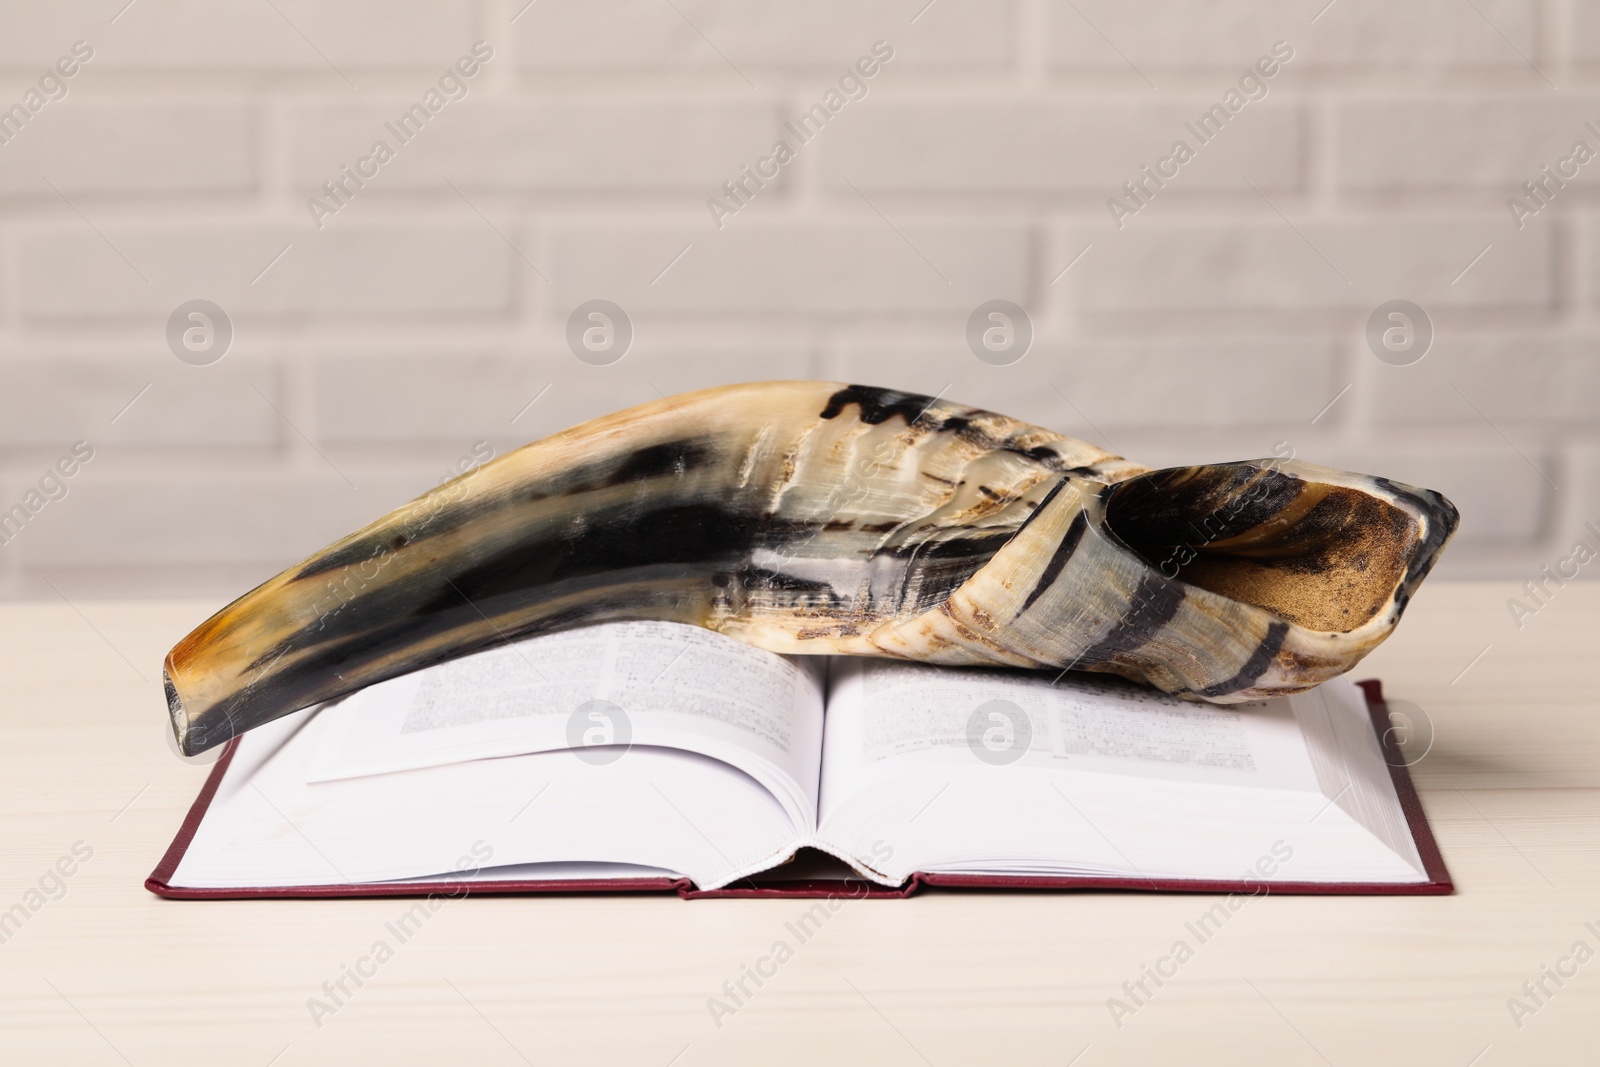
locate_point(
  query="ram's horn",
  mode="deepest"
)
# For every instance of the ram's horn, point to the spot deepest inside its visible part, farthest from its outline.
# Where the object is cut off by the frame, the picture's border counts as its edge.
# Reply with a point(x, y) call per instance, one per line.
point(812, 517)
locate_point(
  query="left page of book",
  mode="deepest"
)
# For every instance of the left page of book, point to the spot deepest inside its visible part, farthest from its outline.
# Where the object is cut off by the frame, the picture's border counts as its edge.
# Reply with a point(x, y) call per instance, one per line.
point(690, 755)
point(615, 685)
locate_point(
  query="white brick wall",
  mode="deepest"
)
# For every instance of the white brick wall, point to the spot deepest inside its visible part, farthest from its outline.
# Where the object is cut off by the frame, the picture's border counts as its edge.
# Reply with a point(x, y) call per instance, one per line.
point(1009, 148)
point(1377, 38)
point(212, 36)
point(350, 270)
point(723, 37)
point(371, 353)
point(174, 146)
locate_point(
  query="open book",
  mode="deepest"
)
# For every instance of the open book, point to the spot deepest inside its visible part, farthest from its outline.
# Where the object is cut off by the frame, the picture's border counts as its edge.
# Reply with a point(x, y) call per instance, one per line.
point(648, 755)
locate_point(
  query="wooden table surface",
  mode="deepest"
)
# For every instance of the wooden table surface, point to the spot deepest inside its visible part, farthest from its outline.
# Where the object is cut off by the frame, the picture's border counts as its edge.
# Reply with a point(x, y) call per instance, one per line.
point(101, 972)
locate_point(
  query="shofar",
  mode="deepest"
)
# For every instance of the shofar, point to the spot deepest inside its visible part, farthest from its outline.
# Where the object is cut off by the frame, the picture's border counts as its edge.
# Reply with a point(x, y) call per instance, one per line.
point(814, 517)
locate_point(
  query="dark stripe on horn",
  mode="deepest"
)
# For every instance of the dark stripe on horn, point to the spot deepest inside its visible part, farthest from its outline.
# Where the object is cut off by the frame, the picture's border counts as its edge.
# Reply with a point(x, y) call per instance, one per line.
point(1058, 559)
point(667, 458)
point(1155, 602)
point(610, 542)
point(1255, 666)
point(1197, 505)
point(320, 672)
point(1253, 500)
point(952, 543)
point(1441, 520)
point(877, 405)
point(1051, 495)
point(935, 567)
point(454, 510)
point(880, 405)
point(429, 515)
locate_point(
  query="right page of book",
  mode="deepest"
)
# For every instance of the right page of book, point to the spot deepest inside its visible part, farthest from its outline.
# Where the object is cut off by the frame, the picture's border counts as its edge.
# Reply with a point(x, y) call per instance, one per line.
point(999, 771)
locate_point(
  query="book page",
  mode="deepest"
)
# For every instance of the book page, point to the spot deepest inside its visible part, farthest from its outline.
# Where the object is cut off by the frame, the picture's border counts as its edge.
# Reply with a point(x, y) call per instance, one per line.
point(660, 811)
point(886, 717)
point(1018, 773)
point(1351, 766)
point(598, 689)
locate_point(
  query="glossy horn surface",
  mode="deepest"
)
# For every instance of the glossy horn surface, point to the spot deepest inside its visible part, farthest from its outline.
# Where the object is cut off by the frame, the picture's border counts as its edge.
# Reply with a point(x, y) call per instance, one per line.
point(815, 517)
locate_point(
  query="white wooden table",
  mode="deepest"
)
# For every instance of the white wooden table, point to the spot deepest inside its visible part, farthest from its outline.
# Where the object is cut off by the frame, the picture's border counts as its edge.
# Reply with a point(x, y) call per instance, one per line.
point(103, 972)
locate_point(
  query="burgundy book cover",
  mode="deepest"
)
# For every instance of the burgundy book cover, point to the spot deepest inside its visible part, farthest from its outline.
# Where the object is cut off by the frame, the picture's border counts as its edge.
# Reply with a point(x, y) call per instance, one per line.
point(1438, 877)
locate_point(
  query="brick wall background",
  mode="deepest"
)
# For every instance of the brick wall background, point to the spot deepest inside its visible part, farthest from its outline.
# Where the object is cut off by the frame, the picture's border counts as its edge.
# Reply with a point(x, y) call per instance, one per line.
point(370, 355)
